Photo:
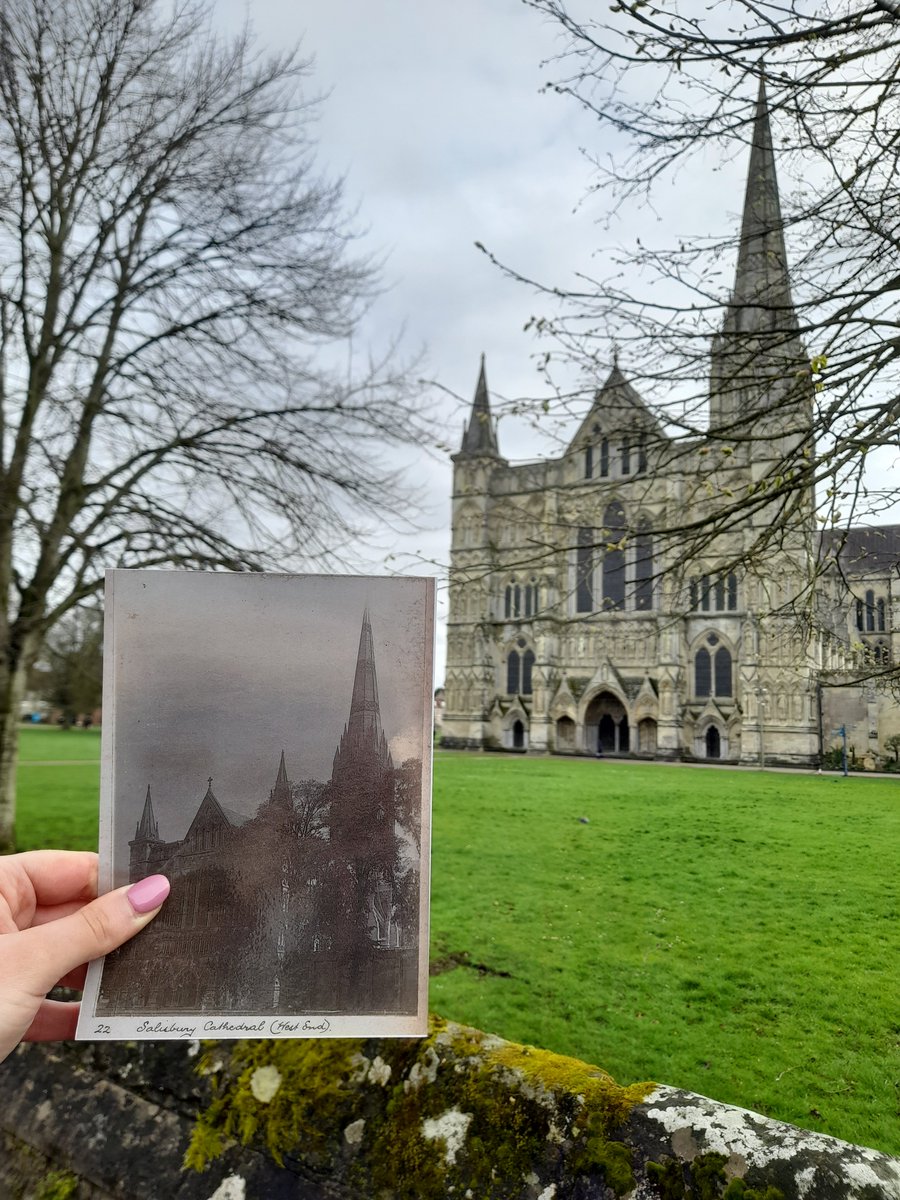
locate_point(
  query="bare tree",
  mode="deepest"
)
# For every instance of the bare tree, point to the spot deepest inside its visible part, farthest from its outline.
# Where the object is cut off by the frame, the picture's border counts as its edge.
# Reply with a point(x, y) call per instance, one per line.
point(73, 658)
point(669, 84)
point(174, 275)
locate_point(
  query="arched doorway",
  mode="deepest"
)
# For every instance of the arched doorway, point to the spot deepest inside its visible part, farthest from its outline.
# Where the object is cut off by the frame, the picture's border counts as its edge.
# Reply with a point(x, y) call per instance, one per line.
point(713, 742)
point(606, 735)
point(606, 725)
point(647, 736)
point(518, 732)
point(565, 734)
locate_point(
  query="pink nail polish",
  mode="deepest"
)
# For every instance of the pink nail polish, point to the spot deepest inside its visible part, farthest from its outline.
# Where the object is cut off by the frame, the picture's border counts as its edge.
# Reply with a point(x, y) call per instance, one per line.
point(148, 894)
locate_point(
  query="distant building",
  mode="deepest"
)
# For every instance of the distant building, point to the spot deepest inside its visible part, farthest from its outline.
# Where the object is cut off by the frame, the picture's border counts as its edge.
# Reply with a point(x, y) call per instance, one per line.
point(566, 636)
point(307, 906)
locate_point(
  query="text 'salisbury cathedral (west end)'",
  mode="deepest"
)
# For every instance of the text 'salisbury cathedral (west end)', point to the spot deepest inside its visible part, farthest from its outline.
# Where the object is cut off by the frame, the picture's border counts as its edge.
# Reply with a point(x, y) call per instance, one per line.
point(566, 635)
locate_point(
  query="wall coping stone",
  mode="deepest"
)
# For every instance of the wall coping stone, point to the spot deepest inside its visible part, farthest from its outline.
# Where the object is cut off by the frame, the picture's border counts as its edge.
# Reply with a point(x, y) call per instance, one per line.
point(459, 1114)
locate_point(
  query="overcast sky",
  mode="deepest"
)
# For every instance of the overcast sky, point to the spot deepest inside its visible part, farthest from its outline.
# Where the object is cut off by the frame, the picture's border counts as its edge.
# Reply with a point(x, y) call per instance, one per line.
point(217, 674)
point(435, 118)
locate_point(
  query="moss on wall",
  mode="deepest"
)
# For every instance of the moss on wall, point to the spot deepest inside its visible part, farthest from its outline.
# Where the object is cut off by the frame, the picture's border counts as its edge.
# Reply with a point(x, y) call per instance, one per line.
point(704, 1178)
point(414, 1119)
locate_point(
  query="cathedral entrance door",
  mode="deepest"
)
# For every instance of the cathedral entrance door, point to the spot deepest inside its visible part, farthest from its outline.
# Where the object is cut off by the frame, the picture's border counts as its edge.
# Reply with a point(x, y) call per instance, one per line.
point(607, 735)
point(518, 732)
point(606, 725)
point(713, 743)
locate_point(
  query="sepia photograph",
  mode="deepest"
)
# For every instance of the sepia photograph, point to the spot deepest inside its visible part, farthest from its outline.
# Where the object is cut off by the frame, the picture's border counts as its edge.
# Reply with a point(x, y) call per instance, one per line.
point(268, 749)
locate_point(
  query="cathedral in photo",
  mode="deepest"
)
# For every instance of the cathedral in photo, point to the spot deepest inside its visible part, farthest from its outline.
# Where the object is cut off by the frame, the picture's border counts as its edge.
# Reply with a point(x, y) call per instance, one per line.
point(310, 905)
point(577, 627)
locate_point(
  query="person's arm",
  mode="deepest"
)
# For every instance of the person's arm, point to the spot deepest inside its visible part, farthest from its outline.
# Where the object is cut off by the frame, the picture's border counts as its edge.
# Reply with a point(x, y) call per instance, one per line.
point(52, 924)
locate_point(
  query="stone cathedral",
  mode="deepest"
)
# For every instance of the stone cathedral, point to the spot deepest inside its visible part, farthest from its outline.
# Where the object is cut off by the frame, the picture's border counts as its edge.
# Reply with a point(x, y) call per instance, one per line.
point(574, 629)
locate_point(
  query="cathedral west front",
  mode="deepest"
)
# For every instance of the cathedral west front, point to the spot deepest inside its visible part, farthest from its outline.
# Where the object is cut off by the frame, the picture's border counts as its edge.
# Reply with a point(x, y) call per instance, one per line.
point(578, 626)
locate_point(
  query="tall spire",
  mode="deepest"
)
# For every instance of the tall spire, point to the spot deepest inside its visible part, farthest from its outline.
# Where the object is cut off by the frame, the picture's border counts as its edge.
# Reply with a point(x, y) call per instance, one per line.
point(362, 776)
point(365, 718)
point(363, 737)
point(758, 353)
point(761, 300)
point(281, 792)
point(479, 437)
point(147, 828)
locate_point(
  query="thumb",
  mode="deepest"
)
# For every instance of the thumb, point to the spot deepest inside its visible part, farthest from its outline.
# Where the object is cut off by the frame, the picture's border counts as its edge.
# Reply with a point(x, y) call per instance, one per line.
point(54, 949)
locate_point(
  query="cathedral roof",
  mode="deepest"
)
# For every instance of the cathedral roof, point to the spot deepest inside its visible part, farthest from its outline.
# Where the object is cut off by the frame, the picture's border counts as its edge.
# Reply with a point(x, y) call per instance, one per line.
point(863, 551)
point(617, 407)
point(479, 438)
point(211, 812)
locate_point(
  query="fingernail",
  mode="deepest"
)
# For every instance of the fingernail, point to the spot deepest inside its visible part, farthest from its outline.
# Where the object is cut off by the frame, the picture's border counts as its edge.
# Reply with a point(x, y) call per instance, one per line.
point(148, 894)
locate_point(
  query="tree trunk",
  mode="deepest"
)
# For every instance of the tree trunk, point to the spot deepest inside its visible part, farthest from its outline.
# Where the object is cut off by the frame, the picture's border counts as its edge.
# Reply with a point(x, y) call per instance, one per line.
point(12, 691)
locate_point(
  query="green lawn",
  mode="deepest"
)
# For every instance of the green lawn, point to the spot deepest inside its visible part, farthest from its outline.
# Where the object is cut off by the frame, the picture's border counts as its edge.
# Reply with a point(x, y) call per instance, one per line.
point(734, 933)
point(58, 804)
point(44, 743)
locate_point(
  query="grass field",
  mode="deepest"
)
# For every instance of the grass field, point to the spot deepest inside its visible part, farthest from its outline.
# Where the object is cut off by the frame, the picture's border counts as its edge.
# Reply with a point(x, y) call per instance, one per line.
point(58, 788)
point(734, 933)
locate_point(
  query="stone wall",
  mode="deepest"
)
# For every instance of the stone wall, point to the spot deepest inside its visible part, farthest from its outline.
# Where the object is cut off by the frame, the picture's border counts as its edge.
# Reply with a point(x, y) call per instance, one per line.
point(458, 1114)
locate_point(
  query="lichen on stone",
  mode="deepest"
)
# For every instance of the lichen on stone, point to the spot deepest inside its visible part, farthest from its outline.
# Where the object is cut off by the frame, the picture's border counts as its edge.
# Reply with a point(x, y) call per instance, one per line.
point(454, 1113)
point(265, 1082)
point(232, 1187)
point(353, 1133)
point(303, 1111)
point(379, 1071)
point(450, 1128)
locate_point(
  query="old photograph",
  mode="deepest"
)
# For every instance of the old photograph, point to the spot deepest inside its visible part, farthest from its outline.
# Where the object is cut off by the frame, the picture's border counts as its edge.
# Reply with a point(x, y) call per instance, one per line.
point(269, 752)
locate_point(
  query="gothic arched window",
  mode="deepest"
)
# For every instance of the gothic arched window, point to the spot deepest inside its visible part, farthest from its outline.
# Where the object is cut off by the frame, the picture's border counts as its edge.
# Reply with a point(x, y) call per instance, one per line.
point(626, 456)
point(527, 665)
point(643, 572)
point(507, 601)
point(531, 599)
point(722, 680)
point(702, 673)
point(517, 601)
point(614, 560)
point(704, 593)
point(584, 571)
point(512, 674)
point(604, 457)
point(881, 625)
point(731, 584)
point(860, 625)
point(713, 670)
point(589, 462)
point(870, 611)
point(642, 454)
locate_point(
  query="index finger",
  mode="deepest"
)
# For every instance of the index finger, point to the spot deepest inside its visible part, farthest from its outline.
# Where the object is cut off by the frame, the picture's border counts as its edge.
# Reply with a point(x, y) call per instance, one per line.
point(54, 876)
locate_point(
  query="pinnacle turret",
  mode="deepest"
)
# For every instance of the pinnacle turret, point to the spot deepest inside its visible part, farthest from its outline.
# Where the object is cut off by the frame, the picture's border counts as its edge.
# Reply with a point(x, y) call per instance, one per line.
point(281, 792)
point(479, 438)
point(147, 827)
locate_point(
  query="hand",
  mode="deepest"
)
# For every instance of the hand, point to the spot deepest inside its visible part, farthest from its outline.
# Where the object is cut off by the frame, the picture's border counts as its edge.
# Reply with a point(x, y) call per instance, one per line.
point(51, 926)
